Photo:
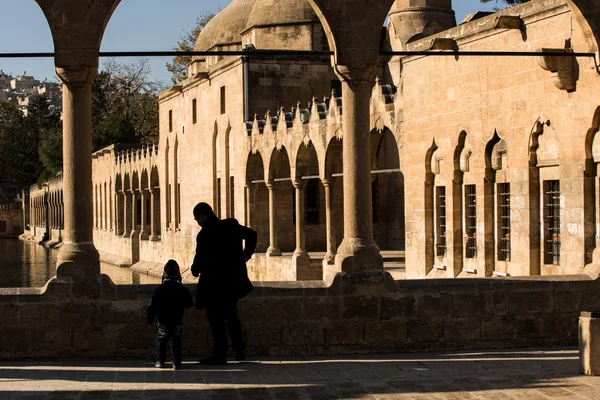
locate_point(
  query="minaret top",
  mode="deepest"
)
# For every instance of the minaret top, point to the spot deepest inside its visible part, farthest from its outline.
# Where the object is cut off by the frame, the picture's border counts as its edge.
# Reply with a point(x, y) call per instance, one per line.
point(411, 20)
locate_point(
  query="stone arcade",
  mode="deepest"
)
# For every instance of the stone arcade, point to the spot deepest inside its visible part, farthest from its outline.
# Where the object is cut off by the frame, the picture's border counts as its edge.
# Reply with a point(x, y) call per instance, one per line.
point(476, 166)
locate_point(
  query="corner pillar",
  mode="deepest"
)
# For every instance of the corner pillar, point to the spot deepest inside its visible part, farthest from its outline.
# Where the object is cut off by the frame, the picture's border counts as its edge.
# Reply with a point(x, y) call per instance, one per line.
point(273, 249)
point(358, 251)
point(143, 230)
point(153, 216)
point(78, 255)
point(331, 240)
point(300, 258)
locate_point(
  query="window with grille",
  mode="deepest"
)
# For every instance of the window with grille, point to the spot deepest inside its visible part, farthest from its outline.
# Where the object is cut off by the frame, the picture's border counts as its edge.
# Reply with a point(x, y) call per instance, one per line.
point(311, 202)
point(471, 221)
point(169, 206)
point(194, 111)
point(223, 100)
point(178, 204)
point(440, 218)
point(170, 120)
point(503, 234)
point(552, 222)
point(218, 210)
point(231, 197)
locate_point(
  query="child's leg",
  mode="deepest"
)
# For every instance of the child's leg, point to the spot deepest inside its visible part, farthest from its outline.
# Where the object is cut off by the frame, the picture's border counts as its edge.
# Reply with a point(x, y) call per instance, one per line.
point(175, 341)
point(161, 343)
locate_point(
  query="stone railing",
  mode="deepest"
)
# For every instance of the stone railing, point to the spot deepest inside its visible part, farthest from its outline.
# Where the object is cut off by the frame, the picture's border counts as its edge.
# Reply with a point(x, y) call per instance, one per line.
point(132, 155)
point(352, 313)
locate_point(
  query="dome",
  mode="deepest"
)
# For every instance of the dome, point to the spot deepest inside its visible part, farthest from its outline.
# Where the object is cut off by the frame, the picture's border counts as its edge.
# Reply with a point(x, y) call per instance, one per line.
point(226, 26)
point(280, 12)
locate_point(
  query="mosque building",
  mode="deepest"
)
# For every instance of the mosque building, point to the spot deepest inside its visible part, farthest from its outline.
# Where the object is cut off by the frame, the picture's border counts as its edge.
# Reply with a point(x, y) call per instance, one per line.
point(480, 166)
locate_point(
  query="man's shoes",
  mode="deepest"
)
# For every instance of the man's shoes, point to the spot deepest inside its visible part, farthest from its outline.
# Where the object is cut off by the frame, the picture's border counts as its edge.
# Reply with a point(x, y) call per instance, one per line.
point(240, 355)
point(158, 364)
point(177, 366)
point(213, 360)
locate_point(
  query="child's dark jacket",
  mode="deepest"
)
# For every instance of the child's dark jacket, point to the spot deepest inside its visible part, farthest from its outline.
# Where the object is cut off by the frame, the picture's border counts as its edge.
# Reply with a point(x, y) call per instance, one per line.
point(168, 303)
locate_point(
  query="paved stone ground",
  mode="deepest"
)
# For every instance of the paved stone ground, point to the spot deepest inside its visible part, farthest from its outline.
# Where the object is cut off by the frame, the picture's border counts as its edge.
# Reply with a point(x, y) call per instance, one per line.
point(514, 374)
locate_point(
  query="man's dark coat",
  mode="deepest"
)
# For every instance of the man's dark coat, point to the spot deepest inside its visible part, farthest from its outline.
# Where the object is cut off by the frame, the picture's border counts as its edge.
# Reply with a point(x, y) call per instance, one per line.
point(221, 262)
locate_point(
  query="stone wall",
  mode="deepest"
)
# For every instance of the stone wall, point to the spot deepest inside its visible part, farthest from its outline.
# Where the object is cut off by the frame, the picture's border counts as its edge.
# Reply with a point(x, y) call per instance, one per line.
point(11, 219)
point(363, 313)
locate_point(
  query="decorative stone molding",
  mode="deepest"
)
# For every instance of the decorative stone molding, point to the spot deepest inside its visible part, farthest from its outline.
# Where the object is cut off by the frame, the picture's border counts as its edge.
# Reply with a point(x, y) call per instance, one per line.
point(507, 22)
point(563, 67)
point(442, 44)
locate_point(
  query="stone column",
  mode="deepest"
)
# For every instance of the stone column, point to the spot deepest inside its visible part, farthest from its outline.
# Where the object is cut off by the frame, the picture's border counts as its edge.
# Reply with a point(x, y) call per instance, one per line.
point(358, 251)
point(331, 242)
point(134, 211)
point(116, 214)
point(126, 218)
point(143, 231)
point(153, 216)
point(273, 249)
point(78, 256)
point(248, 193)
point(301, 258)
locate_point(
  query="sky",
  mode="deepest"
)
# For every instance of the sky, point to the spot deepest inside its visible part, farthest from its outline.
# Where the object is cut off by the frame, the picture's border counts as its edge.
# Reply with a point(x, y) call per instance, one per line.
point(136, 25)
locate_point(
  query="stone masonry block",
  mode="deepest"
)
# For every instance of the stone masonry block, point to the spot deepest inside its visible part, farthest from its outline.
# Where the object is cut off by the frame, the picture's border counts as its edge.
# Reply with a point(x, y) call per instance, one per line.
point(470, 305)
point(344, 332)
point(321, 308)
point(122, 312)
point(439, 305)
point(425, 330)
point(262, 335)
point(303, 333)
point(529, 326)
point(567, 301)
point(364, 307)
point(79, 314)
point(15, 340)
point(271, 309)
point(385, 332)
point(38, 314)
point(497, 327)
point(462, 329)
point(10, 314)
point(397, 307)
point(50, 340)
point(521, 303)
point(589, 343)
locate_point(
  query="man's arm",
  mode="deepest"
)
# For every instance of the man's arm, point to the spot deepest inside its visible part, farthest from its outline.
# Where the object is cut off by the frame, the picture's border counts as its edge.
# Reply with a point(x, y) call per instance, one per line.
point(197, 264)
point(250, 238)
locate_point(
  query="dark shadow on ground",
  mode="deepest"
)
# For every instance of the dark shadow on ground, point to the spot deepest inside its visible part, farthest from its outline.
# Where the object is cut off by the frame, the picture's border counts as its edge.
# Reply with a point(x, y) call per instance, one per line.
point(547, 373)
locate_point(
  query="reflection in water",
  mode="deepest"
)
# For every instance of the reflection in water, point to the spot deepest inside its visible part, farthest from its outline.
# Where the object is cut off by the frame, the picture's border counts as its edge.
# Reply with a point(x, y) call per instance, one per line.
point(27, 264)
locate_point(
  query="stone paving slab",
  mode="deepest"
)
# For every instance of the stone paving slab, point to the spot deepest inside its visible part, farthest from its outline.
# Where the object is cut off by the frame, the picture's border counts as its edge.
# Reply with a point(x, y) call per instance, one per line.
point(531, 374)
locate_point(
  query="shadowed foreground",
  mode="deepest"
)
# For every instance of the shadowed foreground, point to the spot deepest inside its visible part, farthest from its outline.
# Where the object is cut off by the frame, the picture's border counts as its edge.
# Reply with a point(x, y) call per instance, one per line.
point(513, 374)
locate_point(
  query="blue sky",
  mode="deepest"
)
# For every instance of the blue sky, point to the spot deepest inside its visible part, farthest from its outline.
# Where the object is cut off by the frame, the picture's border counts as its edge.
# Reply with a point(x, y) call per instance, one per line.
point(136, 25)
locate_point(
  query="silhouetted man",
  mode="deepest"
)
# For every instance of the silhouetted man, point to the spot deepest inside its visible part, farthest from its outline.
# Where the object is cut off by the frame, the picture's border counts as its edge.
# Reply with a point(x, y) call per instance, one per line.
point(221, 263)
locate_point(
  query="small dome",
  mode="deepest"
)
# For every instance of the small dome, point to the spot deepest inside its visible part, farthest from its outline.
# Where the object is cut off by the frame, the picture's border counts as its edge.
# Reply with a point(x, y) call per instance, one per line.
point(226, 26)
point(280, 12)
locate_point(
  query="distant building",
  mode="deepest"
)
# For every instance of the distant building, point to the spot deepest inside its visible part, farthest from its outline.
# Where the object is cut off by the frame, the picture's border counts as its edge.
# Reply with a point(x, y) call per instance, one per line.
point(18, 90)
point(11, 211)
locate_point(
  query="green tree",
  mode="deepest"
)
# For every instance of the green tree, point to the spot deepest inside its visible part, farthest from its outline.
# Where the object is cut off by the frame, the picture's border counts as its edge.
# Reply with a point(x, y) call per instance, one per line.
point(125, 104)
point(44, 126)
point(11, 129)
point(178, 67)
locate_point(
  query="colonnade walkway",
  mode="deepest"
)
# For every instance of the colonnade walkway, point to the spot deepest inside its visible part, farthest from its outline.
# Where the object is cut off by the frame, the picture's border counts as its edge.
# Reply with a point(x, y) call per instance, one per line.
point(531, 374)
